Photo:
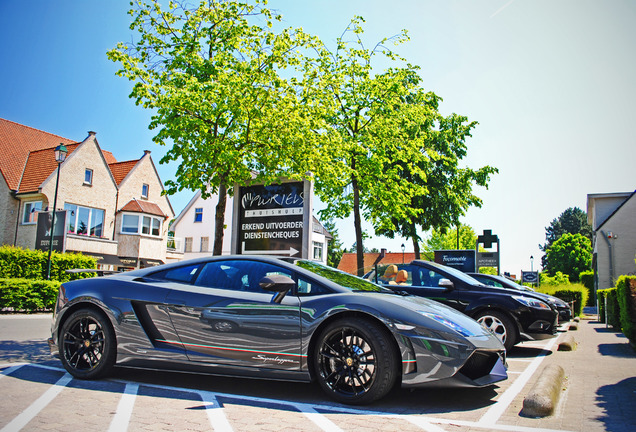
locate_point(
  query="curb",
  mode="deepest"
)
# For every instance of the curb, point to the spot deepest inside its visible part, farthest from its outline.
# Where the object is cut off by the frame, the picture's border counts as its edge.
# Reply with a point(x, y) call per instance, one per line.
point(543, 398)
point(567, 344)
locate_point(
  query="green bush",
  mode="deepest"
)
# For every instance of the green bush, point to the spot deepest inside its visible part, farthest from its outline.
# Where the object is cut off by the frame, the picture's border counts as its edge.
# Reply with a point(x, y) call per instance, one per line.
point(587, 279)
point(626, 298)
point(33, 264)
point(20, 295)
point(558, 279)
point(575, 294)
point(611, 315)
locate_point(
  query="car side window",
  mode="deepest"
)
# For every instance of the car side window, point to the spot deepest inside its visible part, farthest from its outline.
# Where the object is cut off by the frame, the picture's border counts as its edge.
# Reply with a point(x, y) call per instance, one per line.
point(183, 274)
point(237, 275)
point(308, 288)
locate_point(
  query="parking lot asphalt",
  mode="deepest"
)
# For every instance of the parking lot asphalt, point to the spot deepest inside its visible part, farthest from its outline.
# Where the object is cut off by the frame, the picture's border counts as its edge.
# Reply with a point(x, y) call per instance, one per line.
point(598, 394)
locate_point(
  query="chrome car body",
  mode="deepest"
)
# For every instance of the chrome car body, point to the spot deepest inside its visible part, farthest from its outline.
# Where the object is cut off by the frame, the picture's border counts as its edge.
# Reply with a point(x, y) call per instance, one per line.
point(270, 318)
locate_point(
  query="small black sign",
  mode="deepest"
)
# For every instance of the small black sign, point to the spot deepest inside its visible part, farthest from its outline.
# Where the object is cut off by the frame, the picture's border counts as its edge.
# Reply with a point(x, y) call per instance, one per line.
point(270, 219)
point(43, 231)
point(530, 276)
point(463, 260)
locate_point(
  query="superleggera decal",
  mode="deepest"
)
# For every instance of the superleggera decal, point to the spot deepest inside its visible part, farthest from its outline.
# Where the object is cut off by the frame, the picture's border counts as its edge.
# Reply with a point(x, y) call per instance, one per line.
point(229, 349)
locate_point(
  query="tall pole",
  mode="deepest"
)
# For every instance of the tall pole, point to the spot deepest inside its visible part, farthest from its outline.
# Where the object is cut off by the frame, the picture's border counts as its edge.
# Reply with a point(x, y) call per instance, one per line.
point(57, 184)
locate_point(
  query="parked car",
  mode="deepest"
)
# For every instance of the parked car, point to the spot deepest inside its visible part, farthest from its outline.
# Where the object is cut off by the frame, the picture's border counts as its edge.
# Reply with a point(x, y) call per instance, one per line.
point(512, 315)
point(261, 317)
point(564, 310)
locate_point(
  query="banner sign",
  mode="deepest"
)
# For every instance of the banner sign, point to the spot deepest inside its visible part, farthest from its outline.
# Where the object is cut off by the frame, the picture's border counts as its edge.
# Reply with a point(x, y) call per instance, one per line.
point(463, 260)
point(272, 220)
point(43, 231)
point(530, 276)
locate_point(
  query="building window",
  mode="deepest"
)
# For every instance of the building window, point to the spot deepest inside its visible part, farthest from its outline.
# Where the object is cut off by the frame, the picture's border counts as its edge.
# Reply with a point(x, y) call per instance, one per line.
point(205, 244)
point(141, 224)
point(31, 209)
point(318, 251)
point(88, 176)
point(144, 190)
point(198, 214)
point(84, 220)
point(188, 244)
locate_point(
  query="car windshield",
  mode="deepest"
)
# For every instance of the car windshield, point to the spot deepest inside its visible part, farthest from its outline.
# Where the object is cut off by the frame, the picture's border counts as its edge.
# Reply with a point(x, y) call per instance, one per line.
point(456, 273)
point(513, 283)
point(343, 279)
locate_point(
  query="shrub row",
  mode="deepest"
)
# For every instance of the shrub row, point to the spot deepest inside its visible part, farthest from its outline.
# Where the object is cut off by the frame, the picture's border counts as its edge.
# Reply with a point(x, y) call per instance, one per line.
point(33, 264)
point(571, 293)
point(608, 308)
point(28, 295)
point(626, 299)
point(587, 279)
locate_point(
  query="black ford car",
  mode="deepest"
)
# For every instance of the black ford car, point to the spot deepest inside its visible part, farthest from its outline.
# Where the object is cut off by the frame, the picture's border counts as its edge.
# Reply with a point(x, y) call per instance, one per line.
point(512, 315)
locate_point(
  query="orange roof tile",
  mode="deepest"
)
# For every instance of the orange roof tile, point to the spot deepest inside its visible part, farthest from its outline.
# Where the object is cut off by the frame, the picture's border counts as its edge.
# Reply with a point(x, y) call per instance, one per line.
point(348, 260)
point(16, 141)
point(121, 169)
point(39, 165)
point(147, 207)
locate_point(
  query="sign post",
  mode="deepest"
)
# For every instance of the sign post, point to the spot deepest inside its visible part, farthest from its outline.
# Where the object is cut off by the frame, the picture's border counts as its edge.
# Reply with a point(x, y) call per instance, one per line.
point(273, 219)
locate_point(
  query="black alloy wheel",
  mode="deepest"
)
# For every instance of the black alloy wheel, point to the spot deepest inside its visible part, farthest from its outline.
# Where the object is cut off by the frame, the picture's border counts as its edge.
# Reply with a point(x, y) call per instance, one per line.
point(87, 344)
point(355, 362)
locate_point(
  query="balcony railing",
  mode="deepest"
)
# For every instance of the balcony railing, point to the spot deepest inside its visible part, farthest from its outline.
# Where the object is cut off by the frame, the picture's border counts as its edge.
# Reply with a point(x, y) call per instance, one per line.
point(175, 244)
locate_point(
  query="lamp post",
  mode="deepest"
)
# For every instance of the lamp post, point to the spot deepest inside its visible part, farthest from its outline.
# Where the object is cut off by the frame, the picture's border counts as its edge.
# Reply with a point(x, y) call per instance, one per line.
point(531, 263)
point(403, 247)
point(60, 156)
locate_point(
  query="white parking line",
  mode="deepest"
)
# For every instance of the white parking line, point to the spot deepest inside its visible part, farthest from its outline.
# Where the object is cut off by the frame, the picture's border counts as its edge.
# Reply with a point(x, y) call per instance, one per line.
point(215, 413)
point(10, 369)
point(496, 411)
point(27, 415)
point(124, 409)
point(318, 419)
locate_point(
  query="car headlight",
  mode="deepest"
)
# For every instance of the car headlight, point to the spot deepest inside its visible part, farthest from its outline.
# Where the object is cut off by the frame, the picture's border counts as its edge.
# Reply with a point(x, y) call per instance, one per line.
point(448, 323)
point(531, 302)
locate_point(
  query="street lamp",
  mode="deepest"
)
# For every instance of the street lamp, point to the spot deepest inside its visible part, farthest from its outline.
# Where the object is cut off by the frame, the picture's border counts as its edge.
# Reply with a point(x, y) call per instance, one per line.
point(531, 263)
point(403, 247)
point(60, 156)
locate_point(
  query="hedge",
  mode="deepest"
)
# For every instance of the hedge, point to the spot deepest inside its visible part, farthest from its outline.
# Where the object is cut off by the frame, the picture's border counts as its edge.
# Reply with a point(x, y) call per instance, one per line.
point(626, 298)
point(21, 263)
point(587, 279)
point(28, 295)
point(613, 309)
point(569, 293)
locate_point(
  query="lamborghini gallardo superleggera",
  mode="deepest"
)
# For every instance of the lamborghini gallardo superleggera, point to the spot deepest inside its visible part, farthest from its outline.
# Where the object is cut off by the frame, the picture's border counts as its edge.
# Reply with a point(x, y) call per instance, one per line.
point(270, 318)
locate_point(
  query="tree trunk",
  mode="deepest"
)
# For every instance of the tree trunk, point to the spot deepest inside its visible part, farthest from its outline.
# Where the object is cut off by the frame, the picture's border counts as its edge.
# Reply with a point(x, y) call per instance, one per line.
point(416, 247)
point(357, 222)
point(219, 221)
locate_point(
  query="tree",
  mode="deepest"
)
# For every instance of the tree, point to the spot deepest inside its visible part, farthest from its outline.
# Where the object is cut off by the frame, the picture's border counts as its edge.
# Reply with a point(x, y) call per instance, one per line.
point(573, 221)
point(212, 75)
point(334, 248)
point(363, 108)
point(571, 254)
point(444, 189)
point(442, 239)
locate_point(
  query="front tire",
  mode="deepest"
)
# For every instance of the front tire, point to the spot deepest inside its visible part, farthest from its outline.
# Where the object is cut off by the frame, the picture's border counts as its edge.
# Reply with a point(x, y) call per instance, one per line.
point(500, 325)
point(87, 344)
point(355, 362)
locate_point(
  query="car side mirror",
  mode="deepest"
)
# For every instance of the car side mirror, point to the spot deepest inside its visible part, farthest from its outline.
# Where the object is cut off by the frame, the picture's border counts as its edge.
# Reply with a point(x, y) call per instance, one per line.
point(446, 283)
point(279, 284)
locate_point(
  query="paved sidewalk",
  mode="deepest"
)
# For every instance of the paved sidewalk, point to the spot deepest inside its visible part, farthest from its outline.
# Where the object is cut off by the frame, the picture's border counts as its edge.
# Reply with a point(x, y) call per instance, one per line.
point(599, 393)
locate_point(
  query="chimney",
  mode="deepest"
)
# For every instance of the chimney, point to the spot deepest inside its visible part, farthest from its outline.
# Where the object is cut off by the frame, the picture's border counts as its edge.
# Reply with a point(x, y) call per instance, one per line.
point(91, 133)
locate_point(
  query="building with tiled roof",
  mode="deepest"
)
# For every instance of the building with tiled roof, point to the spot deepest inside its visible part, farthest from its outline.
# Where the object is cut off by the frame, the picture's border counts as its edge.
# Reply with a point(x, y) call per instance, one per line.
point(348, 262)
point(109, 209)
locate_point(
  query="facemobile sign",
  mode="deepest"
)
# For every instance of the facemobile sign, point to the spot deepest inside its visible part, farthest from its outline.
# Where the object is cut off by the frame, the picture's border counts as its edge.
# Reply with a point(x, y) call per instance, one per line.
point(463, 260)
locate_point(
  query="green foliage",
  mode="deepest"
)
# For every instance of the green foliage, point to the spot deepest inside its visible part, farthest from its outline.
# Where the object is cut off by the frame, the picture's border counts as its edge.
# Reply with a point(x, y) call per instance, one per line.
point(334, 248)
point(27, 295)
point(575, 294)
point(587, 279)
point(488, 270)
point(626, 298)
point(572, 221)
point(570, 254)
point(220, 83)
point(32, 264)
point(446, 239)
point(558, 279)
point(608, 307)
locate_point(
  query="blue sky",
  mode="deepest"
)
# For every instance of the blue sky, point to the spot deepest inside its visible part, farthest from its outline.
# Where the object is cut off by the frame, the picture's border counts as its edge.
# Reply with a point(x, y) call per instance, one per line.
point(551, 84)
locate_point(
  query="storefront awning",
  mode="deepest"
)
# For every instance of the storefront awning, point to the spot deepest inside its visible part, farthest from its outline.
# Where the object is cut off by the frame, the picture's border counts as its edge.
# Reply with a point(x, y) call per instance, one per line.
point(149, 262)
point(104, 259)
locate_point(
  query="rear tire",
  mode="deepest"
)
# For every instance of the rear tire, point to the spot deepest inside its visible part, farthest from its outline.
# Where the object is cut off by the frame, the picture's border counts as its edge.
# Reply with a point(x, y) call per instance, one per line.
point(87, 344)
point(354, 361)
point(500, 325)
